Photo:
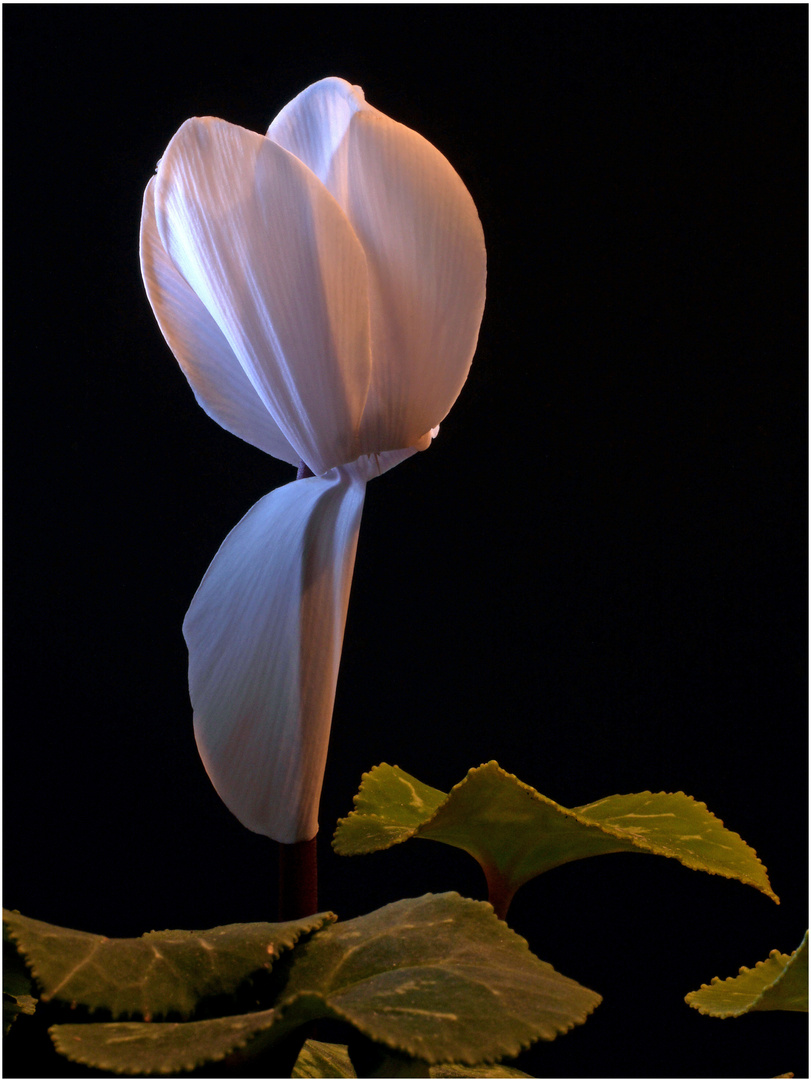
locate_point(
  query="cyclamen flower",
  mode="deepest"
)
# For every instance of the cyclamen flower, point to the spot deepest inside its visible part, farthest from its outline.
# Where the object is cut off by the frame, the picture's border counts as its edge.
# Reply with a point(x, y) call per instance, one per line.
point(321, 288)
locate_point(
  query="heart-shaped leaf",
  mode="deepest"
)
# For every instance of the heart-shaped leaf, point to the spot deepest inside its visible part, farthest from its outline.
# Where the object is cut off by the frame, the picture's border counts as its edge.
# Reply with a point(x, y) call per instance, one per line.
point(161, 973)
point(781, 982)
point(515, 833)
point(439, 978)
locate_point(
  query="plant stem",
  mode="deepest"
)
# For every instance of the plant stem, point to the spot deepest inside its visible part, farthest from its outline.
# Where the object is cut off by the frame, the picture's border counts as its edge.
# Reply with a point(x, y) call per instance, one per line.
point(298, 880)
point(298, 865)
point(498, 892)
point(298, 898)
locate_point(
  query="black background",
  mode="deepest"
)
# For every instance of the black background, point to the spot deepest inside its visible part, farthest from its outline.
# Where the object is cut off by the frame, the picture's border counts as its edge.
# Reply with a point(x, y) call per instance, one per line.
point(596, 575)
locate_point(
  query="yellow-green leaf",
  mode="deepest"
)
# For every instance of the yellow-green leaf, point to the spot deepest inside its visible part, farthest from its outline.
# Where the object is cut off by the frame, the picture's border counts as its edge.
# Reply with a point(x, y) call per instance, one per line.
point(781, 982)
point(490, 1071)
point(434, 979)
point(160, 973)
point(438, 978)
point(515, 833)
point(319, 1059)
point(138, 1048)
point(17, 987)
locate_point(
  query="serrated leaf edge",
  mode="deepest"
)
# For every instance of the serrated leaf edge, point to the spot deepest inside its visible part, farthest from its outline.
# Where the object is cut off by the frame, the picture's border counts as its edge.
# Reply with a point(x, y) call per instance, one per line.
point(775, 954)
point(575, 813)
point(122, 1017)
point(336, 1013)
point(407, 831)
point(768, 891)
point(333, 1011)
point(56, 1030)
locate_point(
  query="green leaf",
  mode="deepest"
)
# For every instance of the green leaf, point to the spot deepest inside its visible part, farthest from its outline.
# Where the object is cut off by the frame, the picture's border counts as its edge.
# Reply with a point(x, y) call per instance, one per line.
point(17, 987)
point(143, 1048)
point(13, 1006)
point(390, 807)
point(161, 973)
point(373, 1060)
point(781, 982)
point(438, 978)
point(320, 1059)
point(515, 833)
point(480, 1070)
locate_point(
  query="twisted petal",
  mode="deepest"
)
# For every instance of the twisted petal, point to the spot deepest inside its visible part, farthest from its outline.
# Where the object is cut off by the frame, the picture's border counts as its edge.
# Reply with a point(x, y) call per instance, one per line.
point(207, 360)
point(276, 263)
point(264, 632)
point(424, 247)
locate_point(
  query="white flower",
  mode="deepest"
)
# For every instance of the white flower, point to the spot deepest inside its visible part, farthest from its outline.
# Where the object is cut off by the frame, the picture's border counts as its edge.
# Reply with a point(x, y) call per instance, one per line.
point(322, 288)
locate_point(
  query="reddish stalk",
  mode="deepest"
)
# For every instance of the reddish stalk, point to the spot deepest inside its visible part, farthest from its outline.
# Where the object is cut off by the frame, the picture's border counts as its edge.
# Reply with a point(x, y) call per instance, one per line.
point(298, 880)
point(298, 864)
point(500, 894)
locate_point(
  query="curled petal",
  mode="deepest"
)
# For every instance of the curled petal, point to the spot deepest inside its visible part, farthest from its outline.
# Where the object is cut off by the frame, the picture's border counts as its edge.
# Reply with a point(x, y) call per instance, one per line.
point(276, 263)
point(264, 633)
point(207, 360)
point(314, 127)
point(424, 247)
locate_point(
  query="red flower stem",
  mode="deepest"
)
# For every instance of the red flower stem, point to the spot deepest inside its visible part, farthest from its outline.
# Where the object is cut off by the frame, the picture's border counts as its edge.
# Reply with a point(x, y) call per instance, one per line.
point(298, 863)
point(298, 880)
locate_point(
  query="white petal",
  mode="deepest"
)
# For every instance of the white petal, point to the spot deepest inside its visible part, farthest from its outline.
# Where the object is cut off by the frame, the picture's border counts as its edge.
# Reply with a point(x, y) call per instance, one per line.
point(424, 246)
point(264, 632)
point(207, 360)
point(274, 260)
point(425, 252)
point(313, 126)
point(368, 466)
